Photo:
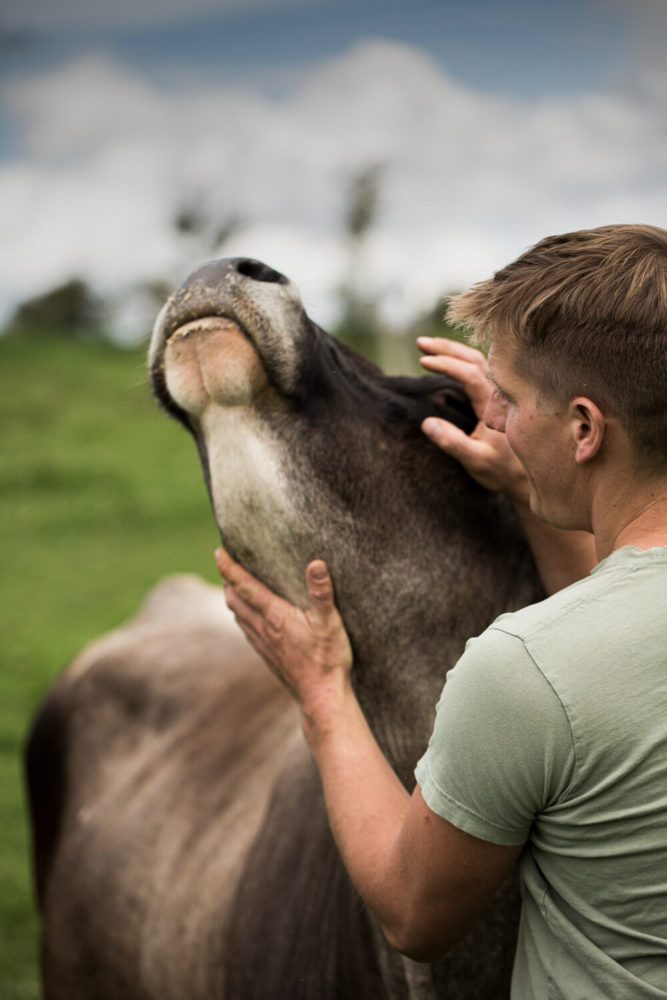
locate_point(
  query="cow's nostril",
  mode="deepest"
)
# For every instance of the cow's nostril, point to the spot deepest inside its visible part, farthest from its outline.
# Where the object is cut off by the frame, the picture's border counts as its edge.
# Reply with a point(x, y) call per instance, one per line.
point(260, 272)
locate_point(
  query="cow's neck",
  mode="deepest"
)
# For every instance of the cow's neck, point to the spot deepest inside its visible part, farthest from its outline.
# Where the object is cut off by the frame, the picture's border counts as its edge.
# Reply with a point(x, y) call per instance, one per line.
point(403, 598)
point(253, 499)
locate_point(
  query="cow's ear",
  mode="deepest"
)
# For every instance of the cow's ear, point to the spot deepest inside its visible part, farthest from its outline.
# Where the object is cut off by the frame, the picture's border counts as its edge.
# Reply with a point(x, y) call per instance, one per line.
point(452, 404)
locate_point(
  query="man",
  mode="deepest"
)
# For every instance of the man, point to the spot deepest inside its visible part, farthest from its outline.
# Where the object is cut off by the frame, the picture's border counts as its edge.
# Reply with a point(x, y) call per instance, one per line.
point(550, 741)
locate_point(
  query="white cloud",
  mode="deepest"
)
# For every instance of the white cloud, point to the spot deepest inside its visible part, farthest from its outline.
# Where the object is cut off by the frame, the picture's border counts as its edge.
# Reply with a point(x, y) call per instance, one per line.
point(469, 179)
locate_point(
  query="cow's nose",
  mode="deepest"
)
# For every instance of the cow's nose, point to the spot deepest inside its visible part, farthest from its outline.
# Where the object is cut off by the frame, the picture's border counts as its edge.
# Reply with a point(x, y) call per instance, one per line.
point(259, 272)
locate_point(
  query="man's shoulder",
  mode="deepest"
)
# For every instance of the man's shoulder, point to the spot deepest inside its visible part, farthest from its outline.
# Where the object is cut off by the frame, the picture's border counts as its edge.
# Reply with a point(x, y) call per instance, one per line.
point(630, 582)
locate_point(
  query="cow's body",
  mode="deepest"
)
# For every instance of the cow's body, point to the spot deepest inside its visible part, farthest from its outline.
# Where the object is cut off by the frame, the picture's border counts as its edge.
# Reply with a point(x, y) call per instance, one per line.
point(184, 849)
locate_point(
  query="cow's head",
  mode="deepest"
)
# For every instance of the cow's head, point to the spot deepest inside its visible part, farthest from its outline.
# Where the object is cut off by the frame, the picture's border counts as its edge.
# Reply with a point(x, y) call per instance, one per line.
point(302, 439)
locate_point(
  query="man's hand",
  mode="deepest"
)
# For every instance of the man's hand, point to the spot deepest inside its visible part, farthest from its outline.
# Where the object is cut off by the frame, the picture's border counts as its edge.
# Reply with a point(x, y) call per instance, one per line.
point(562, 557)
point(309, 651)
point(484, 454)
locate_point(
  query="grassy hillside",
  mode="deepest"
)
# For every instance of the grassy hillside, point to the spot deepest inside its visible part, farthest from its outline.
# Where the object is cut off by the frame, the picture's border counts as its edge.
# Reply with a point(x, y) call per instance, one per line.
point(100, 496)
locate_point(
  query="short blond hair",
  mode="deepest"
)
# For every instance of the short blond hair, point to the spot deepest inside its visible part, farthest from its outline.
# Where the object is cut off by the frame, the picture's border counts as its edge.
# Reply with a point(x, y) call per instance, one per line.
point(588, 314)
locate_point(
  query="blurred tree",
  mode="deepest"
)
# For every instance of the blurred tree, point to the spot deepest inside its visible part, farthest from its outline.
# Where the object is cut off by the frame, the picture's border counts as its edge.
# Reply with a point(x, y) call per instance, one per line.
point(203, 231)
point(432, 323)
point(359, 324)
point(400, 355)
point(364, 196)
point(70, 308)
point(198, 222)
point(157, 289)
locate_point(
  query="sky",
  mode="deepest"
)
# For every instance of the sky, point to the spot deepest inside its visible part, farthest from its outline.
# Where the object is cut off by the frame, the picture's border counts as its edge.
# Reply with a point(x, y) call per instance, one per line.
point(492, 123)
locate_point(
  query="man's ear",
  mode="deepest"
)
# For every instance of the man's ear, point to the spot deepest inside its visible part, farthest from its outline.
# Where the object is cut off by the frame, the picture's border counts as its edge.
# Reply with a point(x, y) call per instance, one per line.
point(588, 426)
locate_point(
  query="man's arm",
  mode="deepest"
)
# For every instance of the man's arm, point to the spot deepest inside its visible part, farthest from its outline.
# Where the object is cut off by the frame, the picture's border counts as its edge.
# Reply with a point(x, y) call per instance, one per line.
point(424, 879)
point(562, 557)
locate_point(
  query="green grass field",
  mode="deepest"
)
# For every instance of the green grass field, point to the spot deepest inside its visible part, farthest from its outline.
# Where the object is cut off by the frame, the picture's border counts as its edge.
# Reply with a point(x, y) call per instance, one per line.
point(101, 495)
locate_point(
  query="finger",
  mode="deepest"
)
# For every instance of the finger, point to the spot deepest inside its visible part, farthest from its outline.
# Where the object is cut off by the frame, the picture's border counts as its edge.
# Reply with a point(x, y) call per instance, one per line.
point(258, 632)
point(453, 348)
point(471, 376)
point(225, 563)
point(455, 442)
point(245, 584)
point(244, 613)
point(460, 368)
point(443, 433)
point(320, 589)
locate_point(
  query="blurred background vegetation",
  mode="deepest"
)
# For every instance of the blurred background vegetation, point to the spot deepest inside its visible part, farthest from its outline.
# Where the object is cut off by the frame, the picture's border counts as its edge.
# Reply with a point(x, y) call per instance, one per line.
point(100, 497)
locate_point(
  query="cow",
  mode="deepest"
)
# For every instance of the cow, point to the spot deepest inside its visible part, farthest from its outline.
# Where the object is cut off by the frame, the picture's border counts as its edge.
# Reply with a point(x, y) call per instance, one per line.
point(180, 838)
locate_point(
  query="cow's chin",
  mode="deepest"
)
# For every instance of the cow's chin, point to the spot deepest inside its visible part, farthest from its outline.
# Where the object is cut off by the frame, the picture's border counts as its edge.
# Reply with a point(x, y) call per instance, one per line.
point(212, 360)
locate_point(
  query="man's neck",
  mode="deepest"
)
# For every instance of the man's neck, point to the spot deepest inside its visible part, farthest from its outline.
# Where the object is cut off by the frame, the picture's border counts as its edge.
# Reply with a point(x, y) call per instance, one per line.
point(636, 515)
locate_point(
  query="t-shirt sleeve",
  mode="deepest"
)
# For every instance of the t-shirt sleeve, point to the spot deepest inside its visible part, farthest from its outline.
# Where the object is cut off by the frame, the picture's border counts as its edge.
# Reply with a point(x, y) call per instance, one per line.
point(501, 749)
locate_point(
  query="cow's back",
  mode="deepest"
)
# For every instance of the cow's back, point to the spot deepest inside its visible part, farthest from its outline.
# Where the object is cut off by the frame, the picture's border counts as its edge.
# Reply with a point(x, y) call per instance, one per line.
point(149, 769)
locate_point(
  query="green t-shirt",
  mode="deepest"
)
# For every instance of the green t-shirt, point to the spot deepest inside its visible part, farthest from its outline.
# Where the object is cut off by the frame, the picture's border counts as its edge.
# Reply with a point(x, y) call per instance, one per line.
point(552, 731)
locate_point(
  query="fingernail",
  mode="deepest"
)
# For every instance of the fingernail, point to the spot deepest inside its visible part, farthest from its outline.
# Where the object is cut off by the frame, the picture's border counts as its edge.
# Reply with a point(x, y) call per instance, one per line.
point(430, 427)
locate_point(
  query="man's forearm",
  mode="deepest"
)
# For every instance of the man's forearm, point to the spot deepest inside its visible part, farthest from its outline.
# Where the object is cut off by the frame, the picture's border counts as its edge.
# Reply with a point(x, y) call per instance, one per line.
point(365, 800)
point(424, 879)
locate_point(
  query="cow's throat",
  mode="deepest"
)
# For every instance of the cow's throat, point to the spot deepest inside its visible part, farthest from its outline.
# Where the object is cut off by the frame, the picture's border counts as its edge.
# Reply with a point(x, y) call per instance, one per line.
point(253, 497)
